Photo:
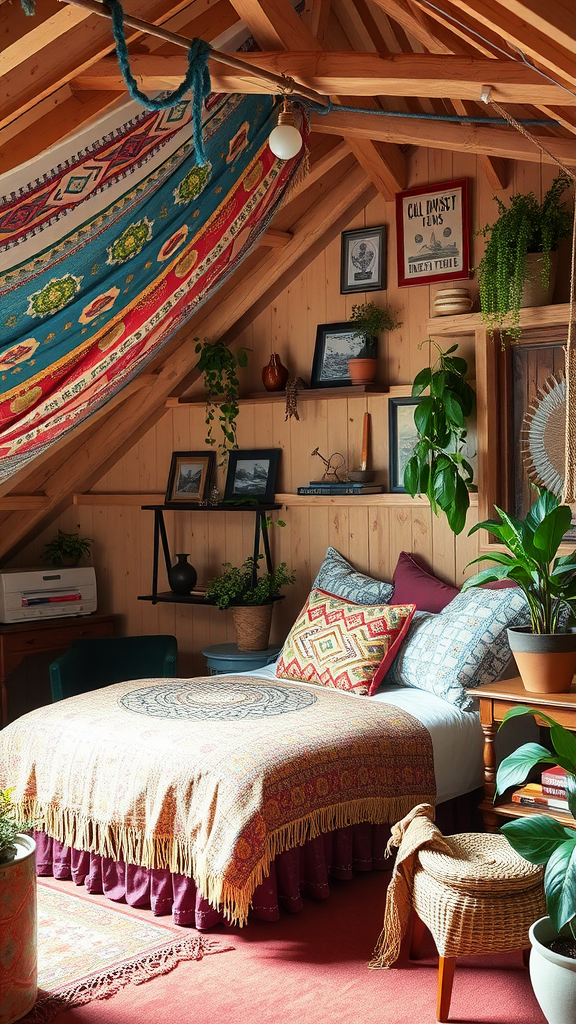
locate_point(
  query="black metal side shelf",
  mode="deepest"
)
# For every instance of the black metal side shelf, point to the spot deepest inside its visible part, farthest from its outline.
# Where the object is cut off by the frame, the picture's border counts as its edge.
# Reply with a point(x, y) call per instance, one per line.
point(260, 513)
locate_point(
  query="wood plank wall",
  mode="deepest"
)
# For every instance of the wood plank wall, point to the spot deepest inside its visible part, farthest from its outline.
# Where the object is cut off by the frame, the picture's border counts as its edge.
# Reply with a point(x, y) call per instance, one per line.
point(371, 537)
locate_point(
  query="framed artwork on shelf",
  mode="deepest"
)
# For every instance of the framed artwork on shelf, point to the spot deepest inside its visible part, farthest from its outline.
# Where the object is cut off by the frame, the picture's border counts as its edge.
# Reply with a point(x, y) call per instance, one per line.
point(252, 474)
point(335, 345)
point(433, 235)
point(363, 260)
point(189, 477)
point(403, 436)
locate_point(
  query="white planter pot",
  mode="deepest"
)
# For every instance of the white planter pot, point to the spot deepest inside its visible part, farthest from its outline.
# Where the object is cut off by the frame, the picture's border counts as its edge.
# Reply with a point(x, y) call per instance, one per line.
point(18, 951)
point(553, 976)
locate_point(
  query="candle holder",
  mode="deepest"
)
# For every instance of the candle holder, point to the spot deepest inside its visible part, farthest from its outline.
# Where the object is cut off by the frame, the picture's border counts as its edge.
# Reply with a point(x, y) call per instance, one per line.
point(361, 476)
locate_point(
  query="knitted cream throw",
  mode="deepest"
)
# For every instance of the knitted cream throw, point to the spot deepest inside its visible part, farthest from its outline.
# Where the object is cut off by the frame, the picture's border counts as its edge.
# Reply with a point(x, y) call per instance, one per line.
point(213, 777)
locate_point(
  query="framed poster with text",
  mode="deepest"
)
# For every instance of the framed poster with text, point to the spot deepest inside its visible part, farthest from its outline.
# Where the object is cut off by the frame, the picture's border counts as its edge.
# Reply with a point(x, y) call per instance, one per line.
point(432, 231)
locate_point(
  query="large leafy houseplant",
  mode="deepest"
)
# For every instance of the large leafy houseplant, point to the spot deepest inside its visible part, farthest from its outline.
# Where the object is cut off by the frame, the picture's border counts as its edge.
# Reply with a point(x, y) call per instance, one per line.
point(438, 468)
point(525, 226)
point(243, 586)
point(220, 364)
point(539, 838)
point(548, 582)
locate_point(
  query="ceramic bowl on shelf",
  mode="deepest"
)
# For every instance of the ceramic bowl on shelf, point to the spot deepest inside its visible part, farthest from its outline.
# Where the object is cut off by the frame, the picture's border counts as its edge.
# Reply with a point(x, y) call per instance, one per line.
point(452, 301)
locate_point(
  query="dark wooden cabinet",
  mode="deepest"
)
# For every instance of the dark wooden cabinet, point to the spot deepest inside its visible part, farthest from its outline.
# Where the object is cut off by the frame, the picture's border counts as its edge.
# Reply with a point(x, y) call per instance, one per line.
point(26, 650)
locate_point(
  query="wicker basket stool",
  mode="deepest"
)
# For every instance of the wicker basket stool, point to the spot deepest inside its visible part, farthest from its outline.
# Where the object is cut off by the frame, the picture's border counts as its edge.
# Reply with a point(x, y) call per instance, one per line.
point(481, 897)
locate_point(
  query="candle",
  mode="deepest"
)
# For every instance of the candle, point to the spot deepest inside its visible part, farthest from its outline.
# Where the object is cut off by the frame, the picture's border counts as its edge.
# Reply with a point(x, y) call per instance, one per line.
point(365, 432)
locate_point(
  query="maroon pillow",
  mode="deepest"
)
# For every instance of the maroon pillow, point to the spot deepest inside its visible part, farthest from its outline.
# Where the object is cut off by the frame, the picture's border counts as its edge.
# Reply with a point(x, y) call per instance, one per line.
point(414, 585)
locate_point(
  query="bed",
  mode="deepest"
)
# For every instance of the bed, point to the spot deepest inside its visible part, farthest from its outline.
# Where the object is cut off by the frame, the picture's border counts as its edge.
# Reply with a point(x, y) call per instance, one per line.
point(209, 796)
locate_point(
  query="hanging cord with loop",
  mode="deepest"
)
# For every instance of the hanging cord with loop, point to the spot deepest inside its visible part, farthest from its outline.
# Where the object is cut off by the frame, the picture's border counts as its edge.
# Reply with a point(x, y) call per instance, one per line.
point(569, 489)
point(197, 78)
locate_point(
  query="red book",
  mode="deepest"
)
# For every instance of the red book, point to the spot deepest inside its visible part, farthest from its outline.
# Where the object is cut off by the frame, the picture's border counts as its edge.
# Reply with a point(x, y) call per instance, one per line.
point(554, 780)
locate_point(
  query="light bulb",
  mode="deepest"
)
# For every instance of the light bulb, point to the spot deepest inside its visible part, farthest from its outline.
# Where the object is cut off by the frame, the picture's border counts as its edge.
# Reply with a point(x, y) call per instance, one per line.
point(285, 140)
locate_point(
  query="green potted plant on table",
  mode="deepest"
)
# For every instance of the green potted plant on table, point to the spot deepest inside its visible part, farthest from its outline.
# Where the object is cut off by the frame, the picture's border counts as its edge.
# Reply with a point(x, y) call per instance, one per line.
point(251, 597)
point(518, 265)
point(545, 651)
point(541, 839)
point(220, 364)
point(66, 549)
point(18, 986)
point(438, 468)
point(369, 321)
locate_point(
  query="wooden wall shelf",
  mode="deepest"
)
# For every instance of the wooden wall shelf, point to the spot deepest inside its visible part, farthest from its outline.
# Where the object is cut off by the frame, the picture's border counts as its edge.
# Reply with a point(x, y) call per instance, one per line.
point(305, 395)
point(301, 500)
point(468, 323)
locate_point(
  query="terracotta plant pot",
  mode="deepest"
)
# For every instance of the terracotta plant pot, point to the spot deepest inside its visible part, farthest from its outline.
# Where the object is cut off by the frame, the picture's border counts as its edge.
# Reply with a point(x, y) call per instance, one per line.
point(361, 370)
point(533, 291)
point(18, 956)
point(252, 623)
point(546, 661)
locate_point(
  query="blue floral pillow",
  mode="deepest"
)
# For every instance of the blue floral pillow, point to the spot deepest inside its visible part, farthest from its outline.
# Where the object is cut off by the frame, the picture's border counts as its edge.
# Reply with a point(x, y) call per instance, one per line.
point(465, 645)
point(338, 577)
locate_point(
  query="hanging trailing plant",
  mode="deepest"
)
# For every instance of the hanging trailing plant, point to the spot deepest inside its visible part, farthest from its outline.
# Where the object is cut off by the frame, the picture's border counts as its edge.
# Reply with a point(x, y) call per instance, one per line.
point(437, 468)
point(219, 364)
point(525, 226)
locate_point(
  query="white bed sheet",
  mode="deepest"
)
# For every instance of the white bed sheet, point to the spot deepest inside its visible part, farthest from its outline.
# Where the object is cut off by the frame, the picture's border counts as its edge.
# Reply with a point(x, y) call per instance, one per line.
point(457, 739)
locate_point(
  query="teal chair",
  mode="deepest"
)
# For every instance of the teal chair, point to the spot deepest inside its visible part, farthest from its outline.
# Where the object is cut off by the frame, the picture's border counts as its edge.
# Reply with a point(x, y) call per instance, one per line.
point(91, 664)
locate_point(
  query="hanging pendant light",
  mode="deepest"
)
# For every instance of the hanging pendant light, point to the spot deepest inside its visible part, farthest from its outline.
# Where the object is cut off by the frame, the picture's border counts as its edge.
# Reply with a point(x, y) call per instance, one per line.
point(285, 140)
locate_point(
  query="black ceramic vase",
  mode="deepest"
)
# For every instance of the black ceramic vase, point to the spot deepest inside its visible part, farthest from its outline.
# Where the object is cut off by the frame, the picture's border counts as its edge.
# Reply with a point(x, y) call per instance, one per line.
point(182, 576)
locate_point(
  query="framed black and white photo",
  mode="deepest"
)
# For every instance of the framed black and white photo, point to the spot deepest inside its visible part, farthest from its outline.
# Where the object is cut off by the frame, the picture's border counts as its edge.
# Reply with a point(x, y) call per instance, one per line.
point(189, 477)
point(363, 260)
point(252, 474)
point(335, 345)
point(403, 437)
point(432, 232)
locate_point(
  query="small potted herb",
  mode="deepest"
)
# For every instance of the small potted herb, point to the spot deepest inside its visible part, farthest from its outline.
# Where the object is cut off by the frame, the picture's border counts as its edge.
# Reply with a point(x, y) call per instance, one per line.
point(66, 549)
point(250, 597)
point(368, 320)
point(220, 364)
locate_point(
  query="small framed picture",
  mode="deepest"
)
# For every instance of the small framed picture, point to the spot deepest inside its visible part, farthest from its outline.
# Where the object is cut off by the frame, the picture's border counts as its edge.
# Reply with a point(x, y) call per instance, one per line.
point(432, 232)
point(403, 437)
point(252, 474)
point(189, 477)
point(363, 260)
point(335, 345)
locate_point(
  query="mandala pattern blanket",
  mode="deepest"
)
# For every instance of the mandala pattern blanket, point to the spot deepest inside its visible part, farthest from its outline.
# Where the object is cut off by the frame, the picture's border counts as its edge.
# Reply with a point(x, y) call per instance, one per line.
point(212, 778)
point(104, 254)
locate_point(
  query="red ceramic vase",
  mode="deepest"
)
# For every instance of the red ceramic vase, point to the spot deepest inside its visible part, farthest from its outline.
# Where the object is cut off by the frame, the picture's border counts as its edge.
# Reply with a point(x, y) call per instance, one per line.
point(274, 375)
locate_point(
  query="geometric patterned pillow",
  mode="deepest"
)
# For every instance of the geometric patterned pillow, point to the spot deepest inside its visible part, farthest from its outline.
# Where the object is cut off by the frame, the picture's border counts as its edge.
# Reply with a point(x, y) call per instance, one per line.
point(465, 645)
point(338, 644)
point(336, 576)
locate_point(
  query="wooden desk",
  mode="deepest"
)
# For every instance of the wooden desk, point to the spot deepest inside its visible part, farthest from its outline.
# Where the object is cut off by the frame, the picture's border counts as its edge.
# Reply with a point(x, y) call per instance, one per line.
point(495, 700)
point(22, 638)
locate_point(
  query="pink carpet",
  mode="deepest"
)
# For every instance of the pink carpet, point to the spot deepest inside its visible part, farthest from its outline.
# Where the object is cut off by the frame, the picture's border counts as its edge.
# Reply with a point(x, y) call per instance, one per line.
point(312, 969)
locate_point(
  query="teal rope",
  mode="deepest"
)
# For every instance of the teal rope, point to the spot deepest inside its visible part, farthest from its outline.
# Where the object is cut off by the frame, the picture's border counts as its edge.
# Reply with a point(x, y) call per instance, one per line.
point(29, 7)
point(197, 77)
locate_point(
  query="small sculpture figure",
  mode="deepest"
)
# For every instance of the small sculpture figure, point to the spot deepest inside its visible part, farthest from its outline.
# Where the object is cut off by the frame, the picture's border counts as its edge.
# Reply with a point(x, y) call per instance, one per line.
point(333, 467)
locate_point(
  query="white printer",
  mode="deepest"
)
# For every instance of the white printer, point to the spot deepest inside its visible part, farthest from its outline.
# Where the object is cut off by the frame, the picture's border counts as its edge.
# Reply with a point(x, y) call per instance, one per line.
point(27, 594)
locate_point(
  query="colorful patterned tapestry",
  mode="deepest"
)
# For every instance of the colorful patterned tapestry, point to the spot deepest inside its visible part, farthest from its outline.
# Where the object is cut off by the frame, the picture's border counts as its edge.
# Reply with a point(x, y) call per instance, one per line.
point(104, 256)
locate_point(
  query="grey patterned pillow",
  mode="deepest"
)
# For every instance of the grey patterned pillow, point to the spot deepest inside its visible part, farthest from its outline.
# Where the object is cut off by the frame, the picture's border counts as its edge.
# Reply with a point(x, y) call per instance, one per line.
point(338, 577)
point(465, 645)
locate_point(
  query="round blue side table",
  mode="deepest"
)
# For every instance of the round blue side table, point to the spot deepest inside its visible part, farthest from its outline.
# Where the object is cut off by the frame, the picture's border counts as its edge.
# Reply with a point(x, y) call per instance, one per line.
point(225, 658)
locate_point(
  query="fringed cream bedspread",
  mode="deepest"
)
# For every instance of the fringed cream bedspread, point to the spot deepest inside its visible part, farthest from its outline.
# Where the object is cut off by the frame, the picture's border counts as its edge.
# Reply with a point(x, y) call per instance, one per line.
point(213, 777)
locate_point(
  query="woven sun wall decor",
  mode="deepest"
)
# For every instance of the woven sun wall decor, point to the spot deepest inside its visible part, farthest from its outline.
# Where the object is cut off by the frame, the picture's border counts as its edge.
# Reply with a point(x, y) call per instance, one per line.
point(111, 242)
point(543, 435)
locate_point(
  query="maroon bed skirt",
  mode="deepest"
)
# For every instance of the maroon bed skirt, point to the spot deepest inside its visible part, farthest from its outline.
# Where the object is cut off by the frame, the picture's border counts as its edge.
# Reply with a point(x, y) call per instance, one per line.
point(303, 871)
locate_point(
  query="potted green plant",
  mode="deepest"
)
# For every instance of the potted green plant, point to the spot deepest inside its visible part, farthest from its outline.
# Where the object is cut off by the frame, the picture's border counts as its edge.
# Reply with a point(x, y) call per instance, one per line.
point(251, 597)
point(438, 468)
point(520, 249)
point(541, 839)
point(545, 651)
point(369, 320)
point(18, 957)
point(220, 364)
point(66, 549)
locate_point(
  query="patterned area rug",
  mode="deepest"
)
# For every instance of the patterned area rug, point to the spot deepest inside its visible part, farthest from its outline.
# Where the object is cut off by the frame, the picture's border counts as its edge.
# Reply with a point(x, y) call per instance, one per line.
point(87, 951)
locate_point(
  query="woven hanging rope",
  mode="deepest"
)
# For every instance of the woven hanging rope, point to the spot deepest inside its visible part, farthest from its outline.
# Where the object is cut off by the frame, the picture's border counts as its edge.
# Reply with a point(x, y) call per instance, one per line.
point(197, 78)
point(569, 490)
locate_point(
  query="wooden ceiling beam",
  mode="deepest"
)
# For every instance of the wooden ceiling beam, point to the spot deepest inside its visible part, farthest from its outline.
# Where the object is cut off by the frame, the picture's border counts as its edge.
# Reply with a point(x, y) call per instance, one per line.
point(463, 138)
point(316, 17)
point(435, 38)
point(234, 301)
point(20, 35)
point(348, 74)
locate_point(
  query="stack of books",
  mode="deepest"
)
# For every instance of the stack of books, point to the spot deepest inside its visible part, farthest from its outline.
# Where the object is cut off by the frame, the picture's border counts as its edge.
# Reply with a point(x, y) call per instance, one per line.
point(549, 793)
point(341, 487)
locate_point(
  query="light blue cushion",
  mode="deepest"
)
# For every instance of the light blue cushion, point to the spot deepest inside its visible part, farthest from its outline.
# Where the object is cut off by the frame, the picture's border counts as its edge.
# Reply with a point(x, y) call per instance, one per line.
point(338, 577)
point(465, 645)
